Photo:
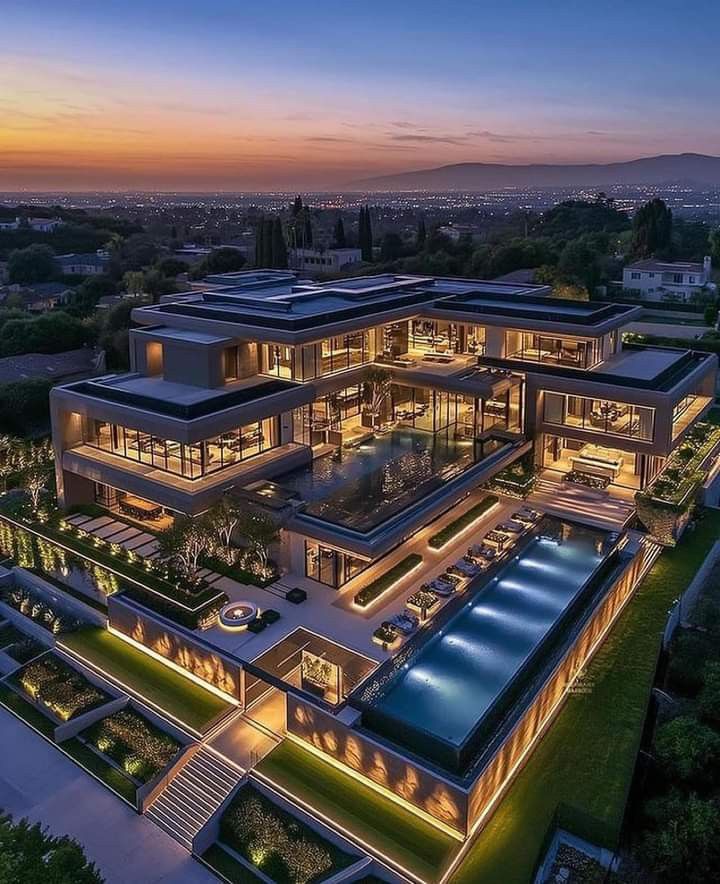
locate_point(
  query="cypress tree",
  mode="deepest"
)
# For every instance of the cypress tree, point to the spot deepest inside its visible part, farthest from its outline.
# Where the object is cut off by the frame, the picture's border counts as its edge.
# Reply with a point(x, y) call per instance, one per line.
point(339, 235)
point(259, 251)
point(367, 238)
point(267, 254)
point(421, 234)
point(308, 231)
point(297, 206)
point(279, 249)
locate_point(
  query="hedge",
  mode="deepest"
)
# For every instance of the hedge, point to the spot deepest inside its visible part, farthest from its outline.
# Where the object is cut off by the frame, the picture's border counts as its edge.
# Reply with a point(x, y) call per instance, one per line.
point(457, 525)
point(375, 589)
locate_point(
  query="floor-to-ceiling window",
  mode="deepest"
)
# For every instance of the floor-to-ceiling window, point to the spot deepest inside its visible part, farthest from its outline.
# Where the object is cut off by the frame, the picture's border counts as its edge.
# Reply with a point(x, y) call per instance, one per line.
point(191, 461)
point(601, 415)
point(331, 566)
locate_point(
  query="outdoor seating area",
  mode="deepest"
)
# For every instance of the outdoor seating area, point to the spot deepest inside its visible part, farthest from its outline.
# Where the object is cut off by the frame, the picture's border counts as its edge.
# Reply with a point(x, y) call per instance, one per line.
point(429, 598)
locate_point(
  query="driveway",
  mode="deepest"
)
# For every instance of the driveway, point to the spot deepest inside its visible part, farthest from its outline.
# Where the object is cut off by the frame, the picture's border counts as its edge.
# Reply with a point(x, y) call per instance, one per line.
point(39, 782)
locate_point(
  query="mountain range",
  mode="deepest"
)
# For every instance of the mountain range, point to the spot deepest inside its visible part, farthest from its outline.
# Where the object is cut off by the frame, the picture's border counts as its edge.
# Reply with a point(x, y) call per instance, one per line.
point(684, 168)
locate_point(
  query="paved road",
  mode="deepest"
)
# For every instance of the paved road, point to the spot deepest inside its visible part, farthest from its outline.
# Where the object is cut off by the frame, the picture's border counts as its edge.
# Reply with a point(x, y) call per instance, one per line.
point(39, 782)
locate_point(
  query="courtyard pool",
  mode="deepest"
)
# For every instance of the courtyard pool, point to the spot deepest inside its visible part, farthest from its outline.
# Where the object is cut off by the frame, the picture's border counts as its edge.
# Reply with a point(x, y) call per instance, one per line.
point(361, 487)
point(444, 692)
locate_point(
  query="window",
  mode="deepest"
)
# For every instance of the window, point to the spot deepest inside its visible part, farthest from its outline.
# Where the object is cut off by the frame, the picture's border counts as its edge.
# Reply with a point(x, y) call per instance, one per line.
point(190, 461)
point(602, 415)
point(331, 566)
point(634, 275)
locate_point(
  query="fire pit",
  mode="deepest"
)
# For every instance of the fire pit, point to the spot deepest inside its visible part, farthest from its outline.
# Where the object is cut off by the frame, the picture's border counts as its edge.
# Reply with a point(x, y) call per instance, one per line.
point(237, 615)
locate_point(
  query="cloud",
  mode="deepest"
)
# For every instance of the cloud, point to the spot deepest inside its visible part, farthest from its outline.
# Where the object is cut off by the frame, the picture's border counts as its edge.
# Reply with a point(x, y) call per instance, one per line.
point(430, 139)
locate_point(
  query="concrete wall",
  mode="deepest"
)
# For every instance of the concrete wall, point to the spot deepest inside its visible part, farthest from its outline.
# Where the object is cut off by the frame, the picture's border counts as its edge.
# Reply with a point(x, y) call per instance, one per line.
point(393, 772)
point(160, 637)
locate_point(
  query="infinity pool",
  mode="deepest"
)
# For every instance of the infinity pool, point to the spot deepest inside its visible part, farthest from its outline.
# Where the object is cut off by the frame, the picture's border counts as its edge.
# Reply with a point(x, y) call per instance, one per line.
point(361, 487)
point(457, 676)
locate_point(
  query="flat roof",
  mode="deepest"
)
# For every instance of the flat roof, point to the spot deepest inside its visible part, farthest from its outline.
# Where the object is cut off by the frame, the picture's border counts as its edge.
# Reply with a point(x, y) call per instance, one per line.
point(179, 400)
point(641, 364)
point(181, 334)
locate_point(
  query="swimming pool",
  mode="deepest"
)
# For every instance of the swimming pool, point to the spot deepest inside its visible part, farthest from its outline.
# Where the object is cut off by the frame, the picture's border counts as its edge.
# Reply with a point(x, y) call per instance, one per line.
point(361, 487)
point(438, 699)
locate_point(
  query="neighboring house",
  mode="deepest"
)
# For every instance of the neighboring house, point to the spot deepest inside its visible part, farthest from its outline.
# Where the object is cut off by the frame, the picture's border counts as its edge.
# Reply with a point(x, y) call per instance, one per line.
point(323, 260)
point(669, 280)
point(40, 296)
point(89, 264)
point(60, 368)
point(39, 225)
point(455, 232)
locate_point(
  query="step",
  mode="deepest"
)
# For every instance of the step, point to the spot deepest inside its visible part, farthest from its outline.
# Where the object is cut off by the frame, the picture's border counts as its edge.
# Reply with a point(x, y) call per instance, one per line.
point(215, 767)
point(224, 777)
point(172, 823)
point(184, 820)
point(170, 829)
point(200, 801)
point(202, 781)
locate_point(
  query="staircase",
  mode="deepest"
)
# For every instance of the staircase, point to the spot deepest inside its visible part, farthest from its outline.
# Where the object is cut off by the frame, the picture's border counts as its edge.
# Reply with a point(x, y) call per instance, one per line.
point(580, 504)
point(194, 795)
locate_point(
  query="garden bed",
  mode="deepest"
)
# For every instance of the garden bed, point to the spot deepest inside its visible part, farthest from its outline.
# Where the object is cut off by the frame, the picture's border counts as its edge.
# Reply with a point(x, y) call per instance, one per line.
point(140, 748)
point(380, 585)
point(446, 534)
point(33, 606)
point(58, 688)
point(226, 866)
point(277, 843)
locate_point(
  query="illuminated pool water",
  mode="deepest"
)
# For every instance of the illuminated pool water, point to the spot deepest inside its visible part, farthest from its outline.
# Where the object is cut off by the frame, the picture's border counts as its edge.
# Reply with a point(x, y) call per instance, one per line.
point(460, 673)
point(361, 487)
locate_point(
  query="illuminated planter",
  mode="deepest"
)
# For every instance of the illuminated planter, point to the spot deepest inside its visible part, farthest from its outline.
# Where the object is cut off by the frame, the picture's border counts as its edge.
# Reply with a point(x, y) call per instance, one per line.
point(237, 615)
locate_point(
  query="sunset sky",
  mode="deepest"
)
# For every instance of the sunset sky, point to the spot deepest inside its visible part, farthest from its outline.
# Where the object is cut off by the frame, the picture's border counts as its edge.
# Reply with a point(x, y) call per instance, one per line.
point(273, 95)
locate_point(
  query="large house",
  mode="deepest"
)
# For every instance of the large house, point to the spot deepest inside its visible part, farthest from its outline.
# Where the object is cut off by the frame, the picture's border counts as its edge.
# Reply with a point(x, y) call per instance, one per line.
point(421, 634)
point(86, 264)
point(259, 387)
point(323, 261)
point(669, 280)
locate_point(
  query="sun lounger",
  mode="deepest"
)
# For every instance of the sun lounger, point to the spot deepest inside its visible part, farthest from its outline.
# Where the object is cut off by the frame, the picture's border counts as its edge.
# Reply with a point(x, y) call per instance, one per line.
point(512, 526)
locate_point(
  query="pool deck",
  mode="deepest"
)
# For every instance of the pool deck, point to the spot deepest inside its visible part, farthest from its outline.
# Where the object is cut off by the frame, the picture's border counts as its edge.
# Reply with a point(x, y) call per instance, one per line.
point(332, 613)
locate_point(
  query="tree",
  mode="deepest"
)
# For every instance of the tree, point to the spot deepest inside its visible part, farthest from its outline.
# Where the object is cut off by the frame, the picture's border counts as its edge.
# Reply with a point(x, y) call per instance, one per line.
point(709, 697)
point(652, 230)
point(83, 301)
point(35, 481)
point(223, 519)
point(307, 231)
point(687, 749)
point(391, 247)
point(365, 237)
point(279, 248)
point(686, 844)
point(339, 234)
point(50, 333)
point(172, 267)
point(184, 543)
point(36, 263)
point(297, 206)
point(714, 245)
point(421, 235)
point(376, 389)
point(259, 532)
point(134, 282)
point(30, 855)
point(224, 260)
point(25, 405)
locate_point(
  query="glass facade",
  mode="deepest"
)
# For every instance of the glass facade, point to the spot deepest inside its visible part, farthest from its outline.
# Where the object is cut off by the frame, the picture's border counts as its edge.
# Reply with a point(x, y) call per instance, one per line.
point(544, 348)
point(277, 360)
point(331, 566)
point(601, 415)
point(435, 410)
point(190, 461)
point(332, 355)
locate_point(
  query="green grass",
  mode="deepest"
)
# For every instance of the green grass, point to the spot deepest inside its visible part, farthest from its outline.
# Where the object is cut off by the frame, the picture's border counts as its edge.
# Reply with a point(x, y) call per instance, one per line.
point(111, 776)
point(437, 541)
point(587, 758)
point(168, 689)
point(228, 867)
point(378, 586)
point(398, 833)
point(26, 711)
point(9, 634)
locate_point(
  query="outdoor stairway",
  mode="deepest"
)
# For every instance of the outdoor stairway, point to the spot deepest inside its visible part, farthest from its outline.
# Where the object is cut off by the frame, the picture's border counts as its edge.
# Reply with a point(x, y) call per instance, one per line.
point(579, 504)
point(194, 795)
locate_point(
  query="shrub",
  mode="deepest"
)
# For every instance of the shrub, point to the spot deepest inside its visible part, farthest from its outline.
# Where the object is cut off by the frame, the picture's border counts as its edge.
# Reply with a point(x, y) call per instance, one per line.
point(687, 749)
point(59, 687)
point(134, 743)
point(375, 589)
point(455, 527)
point(709, 697)
point(689, 653)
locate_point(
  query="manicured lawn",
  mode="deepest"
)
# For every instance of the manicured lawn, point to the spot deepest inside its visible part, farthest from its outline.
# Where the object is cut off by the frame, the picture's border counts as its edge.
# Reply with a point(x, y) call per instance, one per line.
point(400, 834)
point(587, 758)
point(227, 866)
point(181, 697)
